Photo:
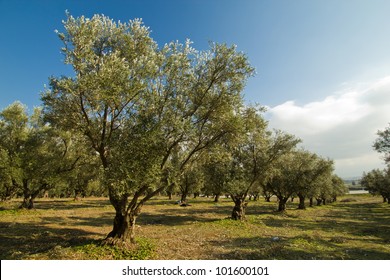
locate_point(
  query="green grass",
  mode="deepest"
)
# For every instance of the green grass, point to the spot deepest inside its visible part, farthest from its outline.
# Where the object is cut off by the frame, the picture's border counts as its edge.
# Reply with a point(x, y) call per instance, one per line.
point(357, 227)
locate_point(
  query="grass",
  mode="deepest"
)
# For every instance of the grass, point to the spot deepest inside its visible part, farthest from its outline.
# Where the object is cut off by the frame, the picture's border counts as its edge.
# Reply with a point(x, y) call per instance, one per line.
point(357, 227)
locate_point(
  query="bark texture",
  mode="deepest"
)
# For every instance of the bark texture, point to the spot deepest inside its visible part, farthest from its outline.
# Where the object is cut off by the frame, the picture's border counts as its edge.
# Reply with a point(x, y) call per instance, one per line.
point(301, 204)
point(238, 212)
point(282, 204)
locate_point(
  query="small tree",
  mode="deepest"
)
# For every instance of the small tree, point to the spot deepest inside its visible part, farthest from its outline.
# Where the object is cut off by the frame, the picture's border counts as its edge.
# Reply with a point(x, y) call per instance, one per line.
point(312, 169)
point(282, 181)
point(252, 158)
point(338, 187)
point(377, 182)
point(37, 154)
point(13, 136)
point(190, 181)
point(382, 143)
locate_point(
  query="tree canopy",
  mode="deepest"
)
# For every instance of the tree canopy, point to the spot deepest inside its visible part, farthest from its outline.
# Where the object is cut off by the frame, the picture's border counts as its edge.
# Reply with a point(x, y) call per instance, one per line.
point(382, 143)
point(138, 104)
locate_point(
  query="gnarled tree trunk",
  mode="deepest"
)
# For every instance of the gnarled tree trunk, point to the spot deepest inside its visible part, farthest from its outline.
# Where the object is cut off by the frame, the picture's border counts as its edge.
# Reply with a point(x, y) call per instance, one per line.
point(238, 212)
point(123, 229)
point(282, 204)
point(267, 196)
point(301, 204)
point(122, 225)
point(28, 196)
point(183, 197)
point(28, 202)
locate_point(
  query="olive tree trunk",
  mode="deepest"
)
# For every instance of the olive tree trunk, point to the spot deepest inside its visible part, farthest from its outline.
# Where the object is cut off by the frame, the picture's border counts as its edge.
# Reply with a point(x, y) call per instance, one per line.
point(123, 231)
point(282, 204)
point(183, 197)
point(29, 195)
point(28, 202)
point(301, 204)
point(239, 208)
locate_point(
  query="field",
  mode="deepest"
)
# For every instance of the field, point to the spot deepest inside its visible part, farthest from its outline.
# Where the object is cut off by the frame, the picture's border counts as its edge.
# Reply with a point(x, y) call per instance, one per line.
point(356, 227)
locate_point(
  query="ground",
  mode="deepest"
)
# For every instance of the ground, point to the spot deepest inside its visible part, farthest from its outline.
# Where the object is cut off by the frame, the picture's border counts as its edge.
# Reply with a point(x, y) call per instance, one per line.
point(357, 227)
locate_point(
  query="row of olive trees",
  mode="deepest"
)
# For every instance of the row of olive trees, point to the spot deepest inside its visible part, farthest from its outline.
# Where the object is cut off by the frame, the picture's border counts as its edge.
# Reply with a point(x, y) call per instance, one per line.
point(145, 119)
point(36, 158)
point(377, 182)
point(258, 160)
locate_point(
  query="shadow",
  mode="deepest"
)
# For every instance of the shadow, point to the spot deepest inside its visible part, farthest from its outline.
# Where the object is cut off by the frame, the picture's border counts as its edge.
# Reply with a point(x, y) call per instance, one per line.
point(70, 204)
point(368, 220)
point(80, 221)
point(21, 240)
point(170, 219)
point(302, 247)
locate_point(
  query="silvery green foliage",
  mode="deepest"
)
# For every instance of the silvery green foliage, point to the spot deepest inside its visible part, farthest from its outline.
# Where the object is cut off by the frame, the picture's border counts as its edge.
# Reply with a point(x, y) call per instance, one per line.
point(300, 172)
point(36, 155)
point(382, 143)
point(148, 112)
point(13, 136)
point(377, 182)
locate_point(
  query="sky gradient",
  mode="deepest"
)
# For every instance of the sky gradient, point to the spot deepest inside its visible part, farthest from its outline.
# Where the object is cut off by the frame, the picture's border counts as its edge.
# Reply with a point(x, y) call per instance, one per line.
point(323, 67)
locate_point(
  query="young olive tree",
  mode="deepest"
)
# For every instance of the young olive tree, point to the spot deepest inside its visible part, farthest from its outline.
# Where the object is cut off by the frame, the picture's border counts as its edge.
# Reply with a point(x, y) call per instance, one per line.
point(252, 155)
point(38, 154)
point(285, 177)
point(311, 168)
point(338, 187)
point(137, 104)
point(216, 171)
point(13, 136)
point(377, 182)
point(382, 143)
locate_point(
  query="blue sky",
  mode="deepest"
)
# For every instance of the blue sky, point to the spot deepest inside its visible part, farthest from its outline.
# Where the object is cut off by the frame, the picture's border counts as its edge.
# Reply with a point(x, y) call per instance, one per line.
point(323, 66)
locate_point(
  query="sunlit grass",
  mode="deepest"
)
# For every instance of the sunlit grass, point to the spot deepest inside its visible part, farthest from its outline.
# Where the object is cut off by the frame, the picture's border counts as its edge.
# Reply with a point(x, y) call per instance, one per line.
point(357, 228)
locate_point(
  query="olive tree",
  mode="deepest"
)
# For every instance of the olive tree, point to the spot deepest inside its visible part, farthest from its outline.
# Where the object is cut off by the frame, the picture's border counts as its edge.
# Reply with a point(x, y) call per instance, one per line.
point(137, 104)
point(216, 171)
point(252, 154)
point(311, 169)
point(13, 136)
point(338, 187)
point(377, 182)
point(37, 154)
point(382, 143)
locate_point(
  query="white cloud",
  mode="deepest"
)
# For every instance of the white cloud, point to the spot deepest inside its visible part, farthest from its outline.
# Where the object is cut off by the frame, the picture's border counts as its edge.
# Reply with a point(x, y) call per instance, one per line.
point(342, 126)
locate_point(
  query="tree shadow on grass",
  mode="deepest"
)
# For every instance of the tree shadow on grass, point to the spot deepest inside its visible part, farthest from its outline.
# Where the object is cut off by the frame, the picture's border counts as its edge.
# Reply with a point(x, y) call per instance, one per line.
point(71, 204)
point(22, 240)
point(302, 247)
